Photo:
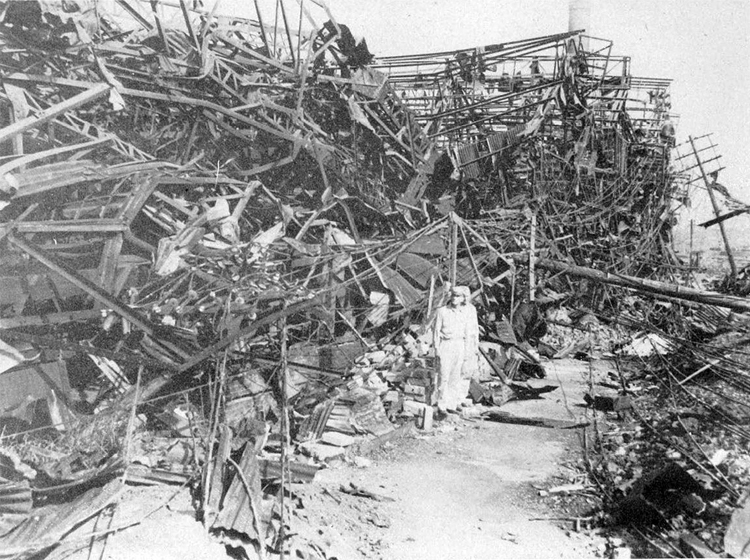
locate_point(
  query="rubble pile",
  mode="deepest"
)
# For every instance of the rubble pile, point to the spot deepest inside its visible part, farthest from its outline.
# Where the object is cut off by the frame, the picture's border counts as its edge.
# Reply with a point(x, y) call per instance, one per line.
point(223, 242)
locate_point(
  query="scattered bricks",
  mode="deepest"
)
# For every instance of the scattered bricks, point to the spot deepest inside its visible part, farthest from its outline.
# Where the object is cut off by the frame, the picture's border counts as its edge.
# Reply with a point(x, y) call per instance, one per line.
point(416, 392)
point(412, 408)
point(337, 439)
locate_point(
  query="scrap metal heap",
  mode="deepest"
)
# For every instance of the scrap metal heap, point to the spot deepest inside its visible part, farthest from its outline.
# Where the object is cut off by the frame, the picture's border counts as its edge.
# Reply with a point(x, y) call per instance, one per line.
point(563, 130)
point(190, 203)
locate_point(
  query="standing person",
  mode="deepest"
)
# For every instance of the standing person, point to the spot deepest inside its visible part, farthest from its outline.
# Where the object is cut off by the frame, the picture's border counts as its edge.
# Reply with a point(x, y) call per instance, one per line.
point(455, 337)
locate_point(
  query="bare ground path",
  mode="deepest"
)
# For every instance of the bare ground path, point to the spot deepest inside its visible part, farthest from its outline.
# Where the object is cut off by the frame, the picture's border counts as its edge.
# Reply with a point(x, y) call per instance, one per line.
point(465, 491)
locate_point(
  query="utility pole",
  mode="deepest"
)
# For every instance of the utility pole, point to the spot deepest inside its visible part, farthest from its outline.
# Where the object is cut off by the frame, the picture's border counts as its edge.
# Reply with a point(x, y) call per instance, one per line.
point(717, 213)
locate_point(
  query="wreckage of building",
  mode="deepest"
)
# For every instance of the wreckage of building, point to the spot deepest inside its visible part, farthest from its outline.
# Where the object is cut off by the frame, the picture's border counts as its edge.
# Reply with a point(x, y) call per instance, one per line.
point(206, 221)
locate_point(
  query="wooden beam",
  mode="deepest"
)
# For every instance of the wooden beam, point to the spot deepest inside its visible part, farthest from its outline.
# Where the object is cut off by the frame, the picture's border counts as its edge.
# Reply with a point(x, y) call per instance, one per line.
point(644, 285)
point(51, 319)
point(724, 217)
point(108, 264)
point(71, 226)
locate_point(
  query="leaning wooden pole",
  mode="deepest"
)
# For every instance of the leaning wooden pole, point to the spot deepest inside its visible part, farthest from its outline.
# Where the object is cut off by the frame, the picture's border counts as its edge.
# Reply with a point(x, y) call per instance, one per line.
point(285, 442)
point(717, 212)
point(644, 285)
point(453, 248)
point(532, 258)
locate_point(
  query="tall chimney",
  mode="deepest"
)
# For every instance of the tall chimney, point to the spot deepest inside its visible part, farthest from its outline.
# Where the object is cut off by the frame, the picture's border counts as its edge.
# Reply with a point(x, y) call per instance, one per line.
point(579, 17)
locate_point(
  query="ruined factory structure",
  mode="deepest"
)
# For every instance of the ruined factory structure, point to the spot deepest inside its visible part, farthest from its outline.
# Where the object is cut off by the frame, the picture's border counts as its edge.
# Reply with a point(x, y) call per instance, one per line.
point(230, 246)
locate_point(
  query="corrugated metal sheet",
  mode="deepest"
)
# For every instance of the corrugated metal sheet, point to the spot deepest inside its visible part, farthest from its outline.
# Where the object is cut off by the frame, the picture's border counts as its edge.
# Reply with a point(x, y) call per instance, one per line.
point(237, 508)
point(300, 472)
point(47, 526)
point(15, 504)
point(406, 294)
point(417, 268)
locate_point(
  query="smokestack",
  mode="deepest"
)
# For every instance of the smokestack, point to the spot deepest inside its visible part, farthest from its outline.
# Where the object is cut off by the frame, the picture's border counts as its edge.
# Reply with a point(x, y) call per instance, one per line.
point(579, 17)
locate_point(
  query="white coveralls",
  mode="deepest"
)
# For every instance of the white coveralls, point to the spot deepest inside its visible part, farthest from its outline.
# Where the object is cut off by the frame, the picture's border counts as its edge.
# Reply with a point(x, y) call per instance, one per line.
point(456, 338)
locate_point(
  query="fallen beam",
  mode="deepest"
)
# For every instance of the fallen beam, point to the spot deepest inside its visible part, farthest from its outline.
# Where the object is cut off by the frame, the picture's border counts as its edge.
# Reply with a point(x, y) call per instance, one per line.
point(644, 285)
point(505, 417)
point(102, 225)
point(724, 217)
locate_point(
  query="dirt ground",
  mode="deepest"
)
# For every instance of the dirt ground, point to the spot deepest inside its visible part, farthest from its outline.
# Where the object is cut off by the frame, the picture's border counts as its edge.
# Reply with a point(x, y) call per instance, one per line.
point(466, 490)
point(469, 489)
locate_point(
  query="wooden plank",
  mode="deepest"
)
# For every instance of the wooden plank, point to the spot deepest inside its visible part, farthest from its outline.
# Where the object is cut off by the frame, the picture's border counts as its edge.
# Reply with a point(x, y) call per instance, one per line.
point(51, 319)
point(31, 158)
point(108, 264)
point(138, 198)
point(71, 226)
point(50, 113)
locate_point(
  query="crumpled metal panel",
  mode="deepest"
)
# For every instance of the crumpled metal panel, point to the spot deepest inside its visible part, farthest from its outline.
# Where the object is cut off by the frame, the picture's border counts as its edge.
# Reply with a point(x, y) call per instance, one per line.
point(237, 507)
point(15, 504)
point(406, 294)
point(48, 525)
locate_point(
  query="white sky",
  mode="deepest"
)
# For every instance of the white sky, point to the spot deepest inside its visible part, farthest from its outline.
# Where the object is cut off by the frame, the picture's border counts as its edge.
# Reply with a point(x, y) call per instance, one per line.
point(702, 45)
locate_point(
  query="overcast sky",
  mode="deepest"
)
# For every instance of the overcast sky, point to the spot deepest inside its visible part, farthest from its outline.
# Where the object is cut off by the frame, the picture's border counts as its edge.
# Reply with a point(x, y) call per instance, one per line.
point(702, 45)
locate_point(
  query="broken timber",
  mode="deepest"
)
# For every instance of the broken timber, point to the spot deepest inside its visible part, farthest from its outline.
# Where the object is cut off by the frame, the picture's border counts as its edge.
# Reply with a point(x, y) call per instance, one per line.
point(645, 285)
